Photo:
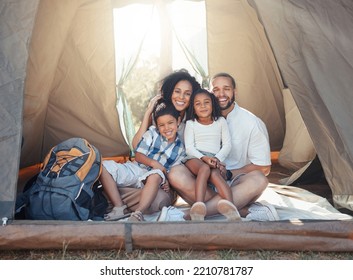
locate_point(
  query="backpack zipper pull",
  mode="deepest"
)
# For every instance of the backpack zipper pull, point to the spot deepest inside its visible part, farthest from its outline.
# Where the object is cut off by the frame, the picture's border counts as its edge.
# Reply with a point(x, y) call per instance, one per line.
point(4, 221)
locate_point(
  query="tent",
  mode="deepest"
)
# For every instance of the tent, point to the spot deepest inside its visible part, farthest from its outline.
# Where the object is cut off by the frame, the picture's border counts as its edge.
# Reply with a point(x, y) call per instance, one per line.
point(293, 63)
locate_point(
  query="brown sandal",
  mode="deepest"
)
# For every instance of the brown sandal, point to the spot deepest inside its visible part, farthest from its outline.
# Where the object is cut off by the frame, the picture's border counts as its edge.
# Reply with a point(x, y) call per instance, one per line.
point(136, 216)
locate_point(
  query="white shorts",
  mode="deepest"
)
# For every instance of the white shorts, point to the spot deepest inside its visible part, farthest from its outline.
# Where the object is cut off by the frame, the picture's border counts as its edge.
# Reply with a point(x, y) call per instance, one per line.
point(130, 174)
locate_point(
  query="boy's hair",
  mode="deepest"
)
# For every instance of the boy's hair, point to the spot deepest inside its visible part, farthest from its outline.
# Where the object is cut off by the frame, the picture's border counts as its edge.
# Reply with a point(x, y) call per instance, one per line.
point(163, 108)
point(216, 109)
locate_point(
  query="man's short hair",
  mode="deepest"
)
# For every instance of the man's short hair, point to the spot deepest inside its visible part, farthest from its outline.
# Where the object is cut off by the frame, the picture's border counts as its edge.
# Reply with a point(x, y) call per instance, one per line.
point(226, 75)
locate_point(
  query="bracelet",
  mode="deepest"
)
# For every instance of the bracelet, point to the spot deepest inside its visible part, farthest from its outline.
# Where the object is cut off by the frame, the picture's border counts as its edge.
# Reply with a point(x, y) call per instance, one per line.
point(229, 175)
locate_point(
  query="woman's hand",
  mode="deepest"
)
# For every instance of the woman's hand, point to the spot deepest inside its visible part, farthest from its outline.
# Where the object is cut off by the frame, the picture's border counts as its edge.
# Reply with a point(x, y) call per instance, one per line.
point(165, 186)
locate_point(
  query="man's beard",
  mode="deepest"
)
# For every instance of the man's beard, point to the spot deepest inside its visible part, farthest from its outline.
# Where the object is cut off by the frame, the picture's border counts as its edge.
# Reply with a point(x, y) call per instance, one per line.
point(230, 103)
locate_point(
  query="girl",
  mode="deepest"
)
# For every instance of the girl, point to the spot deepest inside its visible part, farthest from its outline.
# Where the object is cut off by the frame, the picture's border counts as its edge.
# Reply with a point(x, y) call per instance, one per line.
point(207, 144)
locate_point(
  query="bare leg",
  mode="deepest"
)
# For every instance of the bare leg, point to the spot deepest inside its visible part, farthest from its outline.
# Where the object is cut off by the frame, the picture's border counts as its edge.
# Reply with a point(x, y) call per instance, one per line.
point(110, 188)
point(221, 185)
point(183, 181)
point(249, 188)
point(202, 172)
point(245, 191)
point(149, 192)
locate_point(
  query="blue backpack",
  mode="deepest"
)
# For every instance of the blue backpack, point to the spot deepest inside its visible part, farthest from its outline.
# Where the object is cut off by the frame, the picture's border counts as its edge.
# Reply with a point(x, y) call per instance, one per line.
point(64, 188)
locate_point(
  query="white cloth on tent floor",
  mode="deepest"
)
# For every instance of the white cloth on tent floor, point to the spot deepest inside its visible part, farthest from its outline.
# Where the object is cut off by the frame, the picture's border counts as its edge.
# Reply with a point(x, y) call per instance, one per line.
point(291, 203)
point(297, 203)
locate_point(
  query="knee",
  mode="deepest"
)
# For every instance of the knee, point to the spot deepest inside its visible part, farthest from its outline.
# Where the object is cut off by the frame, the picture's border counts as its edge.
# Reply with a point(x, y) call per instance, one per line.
point(180, 178)
point(205, 170)
point(175, 177)
point(259, 179)
point(215, 173)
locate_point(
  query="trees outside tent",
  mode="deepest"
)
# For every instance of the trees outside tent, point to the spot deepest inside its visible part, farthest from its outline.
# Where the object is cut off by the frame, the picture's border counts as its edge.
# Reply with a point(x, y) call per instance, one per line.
point(151, 40)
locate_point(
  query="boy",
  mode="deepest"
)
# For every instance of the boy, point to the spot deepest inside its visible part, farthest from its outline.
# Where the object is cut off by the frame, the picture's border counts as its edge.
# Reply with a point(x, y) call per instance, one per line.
point(159, 149)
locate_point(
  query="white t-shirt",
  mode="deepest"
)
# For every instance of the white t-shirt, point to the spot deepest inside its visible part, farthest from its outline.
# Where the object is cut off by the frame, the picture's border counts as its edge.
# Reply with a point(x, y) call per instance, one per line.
point(213, 138)
point(249, 138)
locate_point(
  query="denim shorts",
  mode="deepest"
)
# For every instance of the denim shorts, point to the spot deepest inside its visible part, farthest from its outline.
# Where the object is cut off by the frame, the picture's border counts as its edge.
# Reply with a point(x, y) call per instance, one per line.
point(233, 182)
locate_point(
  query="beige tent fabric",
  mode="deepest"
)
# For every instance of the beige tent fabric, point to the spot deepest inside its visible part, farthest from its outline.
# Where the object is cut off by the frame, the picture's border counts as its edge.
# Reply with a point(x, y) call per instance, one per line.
point(313, 45)
point(237, 44)
point(70, 84)
point(298, 148)
point(16, 23)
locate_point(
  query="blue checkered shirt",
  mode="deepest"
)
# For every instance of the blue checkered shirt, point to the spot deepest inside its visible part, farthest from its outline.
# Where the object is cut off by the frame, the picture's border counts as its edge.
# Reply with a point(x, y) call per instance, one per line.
point(156, 147)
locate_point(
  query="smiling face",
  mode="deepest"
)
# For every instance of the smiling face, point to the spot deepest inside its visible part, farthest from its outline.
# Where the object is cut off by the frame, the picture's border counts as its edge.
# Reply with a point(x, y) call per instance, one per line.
point(225, 93)
point(181, 95)
point(167, 126)
point(203, 107)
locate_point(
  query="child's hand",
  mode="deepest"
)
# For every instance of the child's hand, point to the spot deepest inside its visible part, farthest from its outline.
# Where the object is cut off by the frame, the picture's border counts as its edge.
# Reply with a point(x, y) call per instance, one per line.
point(221, 165)
point(165, 186)
point(211, 161)
point(156, 165)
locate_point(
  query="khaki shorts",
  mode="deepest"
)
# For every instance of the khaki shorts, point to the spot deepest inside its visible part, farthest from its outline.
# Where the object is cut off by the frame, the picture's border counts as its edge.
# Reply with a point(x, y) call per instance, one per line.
point(131, 198)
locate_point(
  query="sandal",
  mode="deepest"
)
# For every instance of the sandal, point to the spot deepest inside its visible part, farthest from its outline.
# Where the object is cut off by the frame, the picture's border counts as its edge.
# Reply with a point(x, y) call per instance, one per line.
point(116, 214)
point(198, 211)
point(228, 209)
point(136, 216)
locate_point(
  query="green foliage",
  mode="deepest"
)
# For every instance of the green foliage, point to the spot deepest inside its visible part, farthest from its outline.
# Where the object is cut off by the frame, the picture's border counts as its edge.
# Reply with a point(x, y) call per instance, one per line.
point(139, 88)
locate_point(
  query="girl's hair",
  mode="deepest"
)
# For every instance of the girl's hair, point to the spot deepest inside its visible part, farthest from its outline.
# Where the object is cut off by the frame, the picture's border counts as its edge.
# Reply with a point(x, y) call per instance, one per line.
point(169, 83)
point(216, 109)
point(163, 108)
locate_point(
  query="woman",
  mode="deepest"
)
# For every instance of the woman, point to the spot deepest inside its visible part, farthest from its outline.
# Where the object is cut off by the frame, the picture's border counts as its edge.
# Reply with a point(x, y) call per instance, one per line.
point(177, 89)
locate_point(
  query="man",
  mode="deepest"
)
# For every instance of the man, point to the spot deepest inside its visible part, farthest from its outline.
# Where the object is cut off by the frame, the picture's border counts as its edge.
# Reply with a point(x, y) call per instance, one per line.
point(248, 163)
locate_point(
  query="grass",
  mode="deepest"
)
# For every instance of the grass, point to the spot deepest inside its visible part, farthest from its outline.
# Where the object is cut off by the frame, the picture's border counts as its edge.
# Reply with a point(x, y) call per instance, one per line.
point(230, 254)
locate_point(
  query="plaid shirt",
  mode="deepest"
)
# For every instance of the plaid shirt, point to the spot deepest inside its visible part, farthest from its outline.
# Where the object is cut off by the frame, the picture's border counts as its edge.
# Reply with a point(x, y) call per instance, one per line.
point(156, 147)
